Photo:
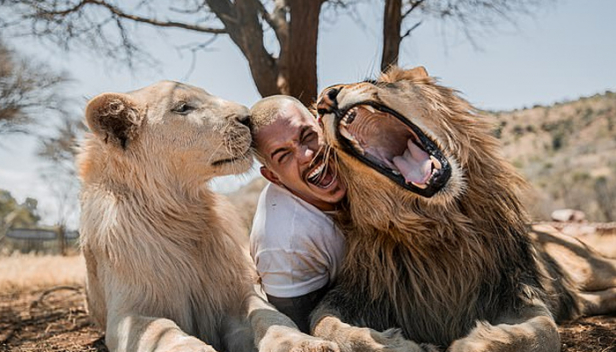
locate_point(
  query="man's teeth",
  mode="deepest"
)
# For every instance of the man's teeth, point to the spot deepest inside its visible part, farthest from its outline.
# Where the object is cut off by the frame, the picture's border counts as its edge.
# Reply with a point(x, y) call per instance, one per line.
point(316, 171)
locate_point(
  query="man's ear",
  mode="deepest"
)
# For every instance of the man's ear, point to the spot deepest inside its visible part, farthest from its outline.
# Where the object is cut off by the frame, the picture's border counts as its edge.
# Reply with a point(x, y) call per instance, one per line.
point(269, 175)
point(115, 118)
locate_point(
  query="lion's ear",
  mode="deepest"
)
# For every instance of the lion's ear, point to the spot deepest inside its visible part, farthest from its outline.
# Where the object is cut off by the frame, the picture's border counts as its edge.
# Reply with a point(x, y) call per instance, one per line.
point(418, 72)
point(115, 118)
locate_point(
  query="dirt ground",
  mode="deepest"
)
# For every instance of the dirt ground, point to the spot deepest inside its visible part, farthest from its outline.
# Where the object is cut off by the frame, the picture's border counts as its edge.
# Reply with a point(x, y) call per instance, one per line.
point(55, 320)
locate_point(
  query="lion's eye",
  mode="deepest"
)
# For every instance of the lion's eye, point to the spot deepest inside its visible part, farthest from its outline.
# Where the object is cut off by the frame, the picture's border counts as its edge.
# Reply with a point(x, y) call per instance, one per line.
point(183, 108)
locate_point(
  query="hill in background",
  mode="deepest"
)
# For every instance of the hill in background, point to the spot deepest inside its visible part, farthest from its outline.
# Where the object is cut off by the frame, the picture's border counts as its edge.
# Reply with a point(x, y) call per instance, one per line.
point(566, 151)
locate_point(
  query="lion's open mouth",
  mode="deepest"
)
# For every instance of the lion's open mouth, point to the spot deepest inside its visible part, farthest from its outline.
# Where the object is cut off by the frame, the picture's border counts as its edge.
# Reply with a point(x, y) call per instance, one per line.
point(389, 143)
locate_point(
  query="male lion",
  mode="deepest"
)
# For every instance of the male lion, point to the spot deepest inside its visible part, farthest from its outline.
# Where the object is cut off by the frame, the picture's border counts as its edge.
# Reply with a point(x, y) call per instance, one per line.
point(438, 242)
point(167, 265)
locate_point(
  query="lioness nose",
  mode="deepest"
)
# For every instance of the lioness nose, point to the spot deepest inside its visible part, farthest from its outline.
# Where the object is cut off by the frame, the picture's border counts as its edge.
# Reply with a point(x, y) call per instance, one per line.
point(244, 119)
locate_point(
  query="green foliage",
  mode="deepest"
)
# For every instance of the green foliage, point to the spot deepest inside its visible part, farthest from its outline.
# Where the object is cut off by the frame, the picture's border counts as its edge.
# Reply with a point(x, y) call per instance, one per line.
point(17, 215)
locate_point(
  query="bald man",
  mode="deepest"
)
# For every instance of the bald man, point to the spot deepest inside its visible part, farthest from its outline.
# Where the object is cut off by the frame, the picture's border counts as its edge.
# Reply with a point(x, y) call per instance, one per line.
point(294, 243)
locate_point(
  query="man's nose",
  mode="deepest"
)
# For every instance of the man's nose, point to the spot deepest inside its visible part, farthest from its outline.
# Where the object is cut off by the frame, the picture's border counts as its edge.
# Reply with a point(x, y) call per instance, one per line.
point(307, 154)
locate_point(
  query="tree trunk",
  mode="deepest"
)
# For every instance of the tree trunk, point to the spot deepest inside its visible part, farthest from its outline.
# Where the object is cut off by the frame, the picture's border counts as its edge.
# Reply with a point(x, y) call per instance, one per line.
point(241, 20)
point(61, 230)
point(392, 21)
point(297, 70)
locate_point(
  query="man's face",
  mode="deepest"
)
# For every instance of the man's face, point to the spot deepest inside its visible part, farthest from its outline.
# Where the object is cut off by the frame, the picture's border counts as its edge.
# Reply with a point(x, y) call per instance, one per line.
point(289, 145)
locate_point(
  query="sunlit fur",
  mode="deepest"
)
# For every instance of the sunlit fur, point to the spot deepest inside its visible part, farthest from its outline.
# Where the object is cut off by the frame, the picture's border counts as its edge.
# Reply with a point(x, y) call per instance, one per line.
point(437, 266)
point(167, 260)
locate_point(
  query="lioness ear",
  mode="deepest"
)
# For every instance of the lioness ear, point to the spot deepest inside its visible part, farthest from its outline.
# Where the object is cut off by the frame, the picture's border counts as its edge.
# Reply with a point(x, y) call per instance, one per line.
point(115, 118)
point(417, 72)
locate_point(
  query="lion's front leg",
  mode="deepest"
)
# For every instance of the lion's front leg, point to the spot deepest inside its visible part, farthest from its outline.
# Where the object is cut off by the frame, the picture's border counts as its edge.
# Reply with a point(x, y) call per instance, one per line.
point(133, 332)
point(356, 339)
point(275, 332)
point(532, 330)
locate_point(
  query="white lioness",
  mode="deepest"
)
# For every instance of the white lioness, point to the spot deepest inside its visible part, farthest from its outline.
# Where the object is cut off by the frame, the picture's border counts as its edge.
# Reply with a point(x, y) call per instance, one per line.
point(167, 267)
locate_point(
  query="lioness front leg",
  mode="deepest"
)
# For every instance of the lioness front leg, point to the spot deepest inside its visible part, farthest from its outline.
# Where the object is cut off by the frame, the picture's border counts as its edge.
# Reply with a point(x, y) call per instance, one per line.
point(132, 332)
point(531, 330)
point(275, 332)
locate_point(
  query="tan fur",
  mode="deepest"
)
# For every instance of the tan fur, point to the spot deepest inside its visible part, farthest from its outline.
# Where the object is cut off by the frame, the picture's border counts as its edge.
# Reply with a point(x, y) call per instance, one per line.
point(458, 269)
point(167, 264)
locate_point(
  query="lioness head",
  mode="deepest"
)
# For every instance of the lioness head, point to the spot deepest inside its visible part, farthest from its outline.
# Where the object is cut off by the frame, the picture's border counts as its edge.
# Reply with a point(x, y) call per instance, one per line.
point(166, 131)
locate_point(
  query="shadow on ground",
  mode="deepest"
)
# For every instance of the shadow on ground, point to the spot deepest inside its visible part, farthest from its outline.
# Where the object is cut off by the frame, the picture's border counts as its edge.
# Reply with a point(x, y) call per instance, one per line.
point(56, 320)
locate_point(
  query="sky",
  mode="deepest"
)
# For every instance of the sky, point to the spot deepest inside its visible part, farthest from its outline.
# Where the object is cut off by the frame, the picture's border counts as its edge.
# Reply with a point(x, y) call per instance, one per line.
point(562, 52)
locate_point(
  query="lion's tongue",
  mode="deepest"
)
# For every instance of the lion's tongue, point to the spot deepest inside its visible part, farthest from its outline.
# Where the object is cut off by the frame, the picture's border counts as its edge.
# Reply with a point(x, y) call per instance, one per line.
point(415, 164)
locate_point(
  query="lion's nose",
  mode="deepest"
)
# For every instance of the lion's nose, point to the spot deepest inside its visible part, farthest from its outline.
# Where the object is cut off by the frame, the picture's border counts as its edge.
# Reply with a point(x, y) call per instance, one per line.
point(328, 101)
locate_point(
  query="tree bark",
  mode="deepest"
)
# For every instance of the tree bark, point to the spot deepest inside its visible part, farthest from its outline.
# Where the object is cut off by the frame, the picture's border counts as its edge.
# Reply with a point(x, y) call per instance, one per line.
point(392, 22)
point(298, 58)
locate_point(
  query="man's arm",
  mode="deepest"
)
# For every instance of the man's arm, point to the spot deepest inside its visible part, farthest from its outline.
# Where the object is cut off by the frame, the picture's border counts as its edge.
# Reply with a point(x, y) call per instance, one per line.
point(299, 308)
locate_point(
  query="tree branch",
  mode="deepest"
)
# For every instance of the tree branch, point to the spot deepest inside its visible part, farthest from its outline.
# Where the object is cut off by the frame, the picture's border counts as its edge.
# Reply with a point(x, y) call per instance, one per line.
point(119, 13)
point(414, 5)
point(408, 32)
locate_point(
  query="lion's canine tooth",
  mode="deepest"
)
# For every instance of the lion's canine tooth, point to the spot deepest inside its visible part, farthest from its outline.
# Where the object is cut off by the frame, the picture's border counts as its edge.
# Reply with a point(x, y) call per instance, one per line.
point(346, 134)
point(370, 108)
point(437, 164)
point(357, 146)
point(395, 172)
point(422, 186)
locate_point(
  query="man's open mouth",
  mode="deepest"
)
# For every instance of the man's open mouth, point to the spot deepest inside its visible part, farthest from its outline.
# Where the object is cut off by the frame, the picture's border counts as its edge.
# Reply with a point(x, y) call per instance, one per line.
point(387, 142)
point(320, 173)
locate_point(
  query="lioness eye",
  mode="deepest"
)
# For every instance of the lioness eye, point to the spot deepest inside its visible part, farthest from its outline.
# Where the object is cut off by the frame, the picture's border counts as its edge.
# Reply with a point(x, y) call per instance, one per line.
point(182, 108)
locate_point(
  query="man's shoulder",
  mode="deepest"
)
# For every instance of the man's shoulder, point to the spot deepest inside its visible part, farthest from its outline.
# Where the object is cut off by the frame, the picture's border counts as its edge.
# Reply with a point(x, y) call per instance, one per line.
point(282, 214)
point(281, 202)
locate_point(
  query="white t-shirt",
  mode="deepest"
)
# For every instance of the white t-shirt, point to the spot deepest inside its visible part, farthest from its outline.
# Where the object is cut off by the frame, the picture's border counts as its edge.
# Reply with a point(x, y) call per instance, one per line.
point(296, 247)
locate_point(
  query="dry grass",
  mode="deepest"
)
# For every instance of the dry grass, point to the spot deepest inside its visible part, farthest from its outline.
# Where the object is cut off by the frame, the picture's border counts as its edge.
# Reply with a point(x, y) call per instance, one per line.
point(19, 272)
point(37, 315)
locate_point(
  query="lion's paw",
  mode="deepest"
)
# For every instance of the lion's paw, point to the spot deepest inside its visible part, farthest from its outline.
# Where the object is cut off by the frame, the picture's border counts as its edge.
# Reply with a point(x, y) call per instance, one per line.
point(391, 340)
point(285, 339)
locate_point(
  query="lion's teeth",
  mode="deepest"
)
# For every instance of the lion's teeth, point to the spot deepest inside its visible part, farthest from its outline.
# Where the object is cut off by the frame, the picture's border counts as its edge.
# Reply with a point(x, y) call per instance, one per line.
point(419, 185)
point(346, 134)
point(395, 172)
point(370, 108)
point(349, 116)
point(357, 146)
point(437, 164)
